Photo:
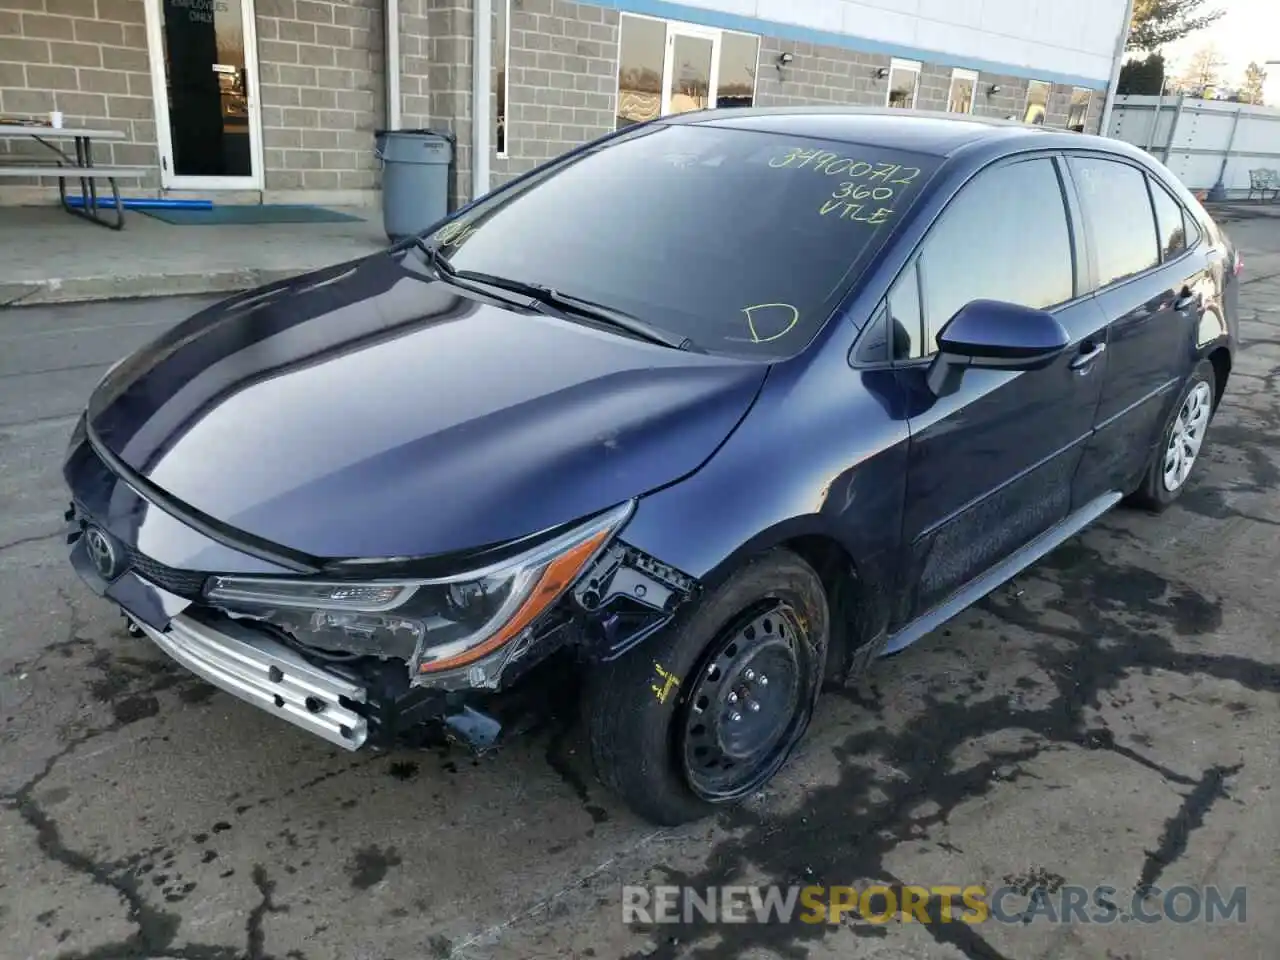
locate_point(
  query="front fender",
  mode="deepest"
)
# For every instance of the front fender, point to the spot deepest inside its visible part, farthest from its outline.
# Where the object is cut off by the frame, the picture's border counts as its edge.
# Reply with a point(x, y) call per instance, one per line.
point(820, 458)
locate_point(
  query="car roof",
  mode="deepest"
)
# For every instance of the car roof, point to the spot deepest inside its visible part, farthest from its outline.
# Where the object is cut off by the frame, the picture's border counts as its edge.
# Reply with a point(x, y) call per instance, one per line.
point(922, 131)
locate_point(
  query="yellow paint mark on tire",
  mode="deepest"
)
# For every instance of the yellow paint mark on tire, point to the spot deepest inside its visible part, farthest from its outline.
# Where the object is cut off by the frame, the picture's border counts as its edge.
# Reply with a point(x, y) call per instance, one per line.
point(664, 682)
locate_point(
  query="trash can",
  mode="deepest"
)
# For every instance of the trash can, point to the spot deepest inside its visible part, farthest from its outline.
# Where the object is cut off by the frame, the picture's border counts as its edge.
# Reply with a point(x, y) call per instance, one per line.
point(415, 179)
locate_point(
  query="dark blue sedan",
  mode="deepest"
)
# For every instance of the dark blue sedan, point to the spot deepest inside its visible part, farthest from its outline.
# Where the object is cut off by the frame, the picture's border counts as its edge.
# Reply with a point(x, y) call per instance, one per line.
point(716, 410)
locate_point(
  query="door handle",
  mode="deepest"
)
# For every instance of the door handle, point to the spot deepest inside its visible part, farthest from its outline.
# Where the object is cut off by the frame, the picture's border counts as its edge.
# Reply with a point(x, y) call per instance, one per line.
point(1185, 299)
point(1087, 357)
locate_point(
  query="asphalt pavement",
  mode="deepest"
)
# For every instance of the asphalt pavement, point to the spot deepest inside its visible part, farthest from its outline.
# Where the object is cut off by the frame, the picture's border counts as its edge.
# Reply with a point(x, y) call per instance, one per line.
point(1109, 718)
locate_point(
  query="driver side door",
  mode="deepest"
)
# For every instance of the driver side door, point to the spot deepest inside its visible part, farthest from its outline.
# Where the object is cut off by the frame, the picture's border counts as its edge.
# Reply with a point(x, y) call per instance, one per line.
point(990, 467)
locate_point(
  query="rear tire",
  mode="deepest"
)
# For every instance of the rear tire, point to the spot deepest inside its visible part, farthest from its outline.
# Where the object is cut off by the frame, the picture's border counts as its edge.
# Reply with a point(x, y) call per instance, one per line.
point(661, 718)
point(1181, 442)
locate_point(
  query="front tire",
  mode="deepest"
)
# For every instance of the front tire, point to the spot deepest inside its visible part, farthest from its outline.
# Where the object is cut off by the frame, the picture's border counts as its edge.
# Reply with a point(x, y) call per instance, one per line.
point(1180, 442)
point(707, 712)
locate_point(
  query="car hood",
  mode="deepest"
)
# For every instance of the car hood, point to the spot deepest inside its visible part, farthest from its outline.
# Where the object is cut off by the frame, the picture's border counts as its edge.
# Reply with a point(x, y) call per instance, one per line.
point(367, 410)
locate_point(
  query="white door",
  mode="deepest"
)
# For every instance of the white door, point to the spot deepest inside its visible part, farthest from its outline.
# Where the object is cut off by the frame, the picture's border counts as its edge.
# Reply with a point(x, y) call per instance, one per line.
point(204, 73)
point(691, 68)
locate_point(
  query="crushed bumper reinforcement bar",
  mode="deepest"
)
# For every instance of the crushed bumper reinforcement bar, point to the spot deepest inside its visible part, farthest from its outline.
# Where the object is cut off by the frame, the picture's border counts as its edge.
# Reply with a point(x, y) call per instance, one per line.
point(268, 675)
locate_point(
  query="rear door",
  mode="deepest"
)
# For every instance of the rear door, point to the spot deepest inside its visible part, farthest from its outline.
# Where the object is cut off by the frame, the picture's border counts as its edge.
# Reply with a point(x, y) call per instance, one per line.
point(991, 466)
point(1153, 280)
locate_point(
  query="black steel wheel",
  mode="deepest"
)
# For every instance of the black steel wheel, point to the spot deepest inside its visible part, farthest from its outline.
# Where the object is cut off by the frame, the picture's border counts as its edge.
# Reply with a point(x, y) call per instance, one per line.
point(745, 703)
point(707, 711)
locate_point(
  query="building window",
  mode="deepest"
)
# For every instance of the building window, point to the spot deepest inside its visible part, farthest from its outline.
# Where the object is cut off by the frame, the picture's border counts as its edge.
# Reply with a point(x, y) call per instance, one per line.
point(739, 60)
point(904, 83)
point(1037, 102)
point(963, 84)
point(667, 67)
point(642, 52)
point(1079, 111)
point(501, 55)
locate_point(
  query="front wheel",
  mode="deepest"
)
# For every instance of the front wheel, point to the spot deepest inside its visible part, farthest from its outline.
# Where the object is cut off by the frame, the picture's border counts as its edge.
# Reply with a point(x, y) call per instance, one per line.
point(1180, 442)
point(708, 711)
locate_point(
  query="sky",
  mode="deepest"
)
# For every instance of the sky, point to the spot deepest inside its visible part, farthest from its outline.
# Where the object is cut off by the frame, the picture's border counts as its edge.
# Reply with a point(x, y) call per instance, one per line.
point(1250, 30)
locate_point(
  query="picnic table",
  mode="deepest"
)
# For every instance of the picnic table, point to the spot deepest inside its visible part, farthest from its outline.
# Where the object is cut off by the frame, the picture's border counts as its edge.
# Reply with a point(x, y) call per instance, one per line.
point(65, 166)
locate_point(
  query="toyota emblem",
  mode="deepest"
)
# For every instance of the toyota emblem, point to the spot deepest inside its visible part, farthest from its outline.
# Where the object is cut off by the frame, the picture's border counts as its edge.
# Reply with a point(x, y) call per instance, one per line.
point(102, 552)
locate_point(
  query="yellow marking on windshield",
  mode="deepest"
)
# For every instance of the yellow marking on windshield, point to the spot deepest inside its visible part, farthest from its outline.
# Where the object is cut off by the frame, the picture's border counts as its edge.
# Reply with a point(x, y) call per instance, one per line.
point(751, 320)
point(452, 234)
point(856, 191)
point(858, 212)
point(863, 181)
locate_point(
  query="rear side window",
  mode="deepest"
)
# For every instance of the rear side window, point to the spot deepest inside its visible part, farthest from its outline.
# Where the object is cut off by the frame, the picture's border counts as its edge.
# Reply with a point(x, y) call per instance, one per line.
point(1192, 227)
point(1116, 204)
point(1170, 222)
point(1004, 237)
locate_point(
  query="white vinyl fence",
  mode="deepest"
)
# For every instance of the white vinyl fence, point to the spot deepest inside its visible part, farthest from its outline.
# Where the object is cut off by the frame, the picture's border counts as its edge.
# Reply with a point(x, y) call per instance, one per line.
point(1201, 141)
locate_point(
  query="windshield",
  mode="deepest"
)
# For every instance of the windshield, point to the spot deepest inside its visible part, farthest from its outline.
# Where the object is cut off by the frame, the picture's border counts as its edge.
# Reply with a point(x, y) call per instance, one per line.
point(739, 240)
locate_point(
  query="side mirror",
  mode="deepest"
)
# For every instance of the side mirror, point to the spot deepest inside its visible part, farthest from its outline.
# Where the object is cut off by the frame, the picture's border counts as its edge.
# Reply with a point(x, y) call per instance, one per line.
point(994, 335)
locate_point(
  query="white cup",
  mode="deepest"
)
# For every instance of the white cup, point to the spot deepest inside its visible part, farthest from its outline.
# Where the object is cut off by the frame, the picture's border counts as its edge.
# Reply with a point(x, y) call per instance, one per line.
point(55, 119)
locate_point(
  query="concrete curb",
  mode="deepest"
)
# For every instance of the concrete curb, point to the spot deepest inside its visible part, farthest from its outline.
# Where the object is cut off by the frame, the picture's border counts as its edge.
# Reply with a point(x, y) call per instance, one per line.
point(122, 287)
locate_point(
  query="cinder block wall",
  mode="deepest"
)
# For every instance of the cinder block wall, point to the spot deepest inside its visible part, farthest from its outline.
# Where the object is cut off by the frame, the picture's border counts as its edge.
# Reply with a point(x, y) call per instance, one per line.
point(322, 76)
point(563, 80)
point(563, 85)
point(86, 59)
point(436, 82)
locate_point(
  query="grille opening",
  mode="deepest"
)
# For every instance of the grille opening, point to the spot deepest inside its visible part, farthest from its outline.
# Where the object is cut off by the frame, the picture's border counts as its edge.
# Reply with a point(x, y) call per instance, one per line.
point(184, 583)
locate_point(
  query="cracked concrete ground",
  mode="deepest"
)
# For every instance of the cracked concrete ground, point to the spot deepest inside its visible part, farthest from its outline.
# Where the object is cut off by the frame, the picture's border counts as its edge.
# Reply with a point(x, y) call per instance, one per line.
point(1110, 718)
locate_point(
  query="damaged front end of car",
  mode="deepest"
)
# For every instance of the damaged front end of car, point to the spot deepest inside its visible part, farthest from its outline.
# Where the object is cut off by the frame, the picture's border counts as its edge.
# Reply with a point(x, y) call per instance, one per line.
point(359, 658)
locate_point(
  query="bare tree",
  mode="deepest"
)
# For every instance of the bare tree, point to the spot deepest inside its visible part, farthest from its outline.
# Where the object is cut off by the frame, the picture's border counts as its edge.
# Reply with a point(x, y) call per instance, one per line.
point(1254, 79)
point(1202, 70)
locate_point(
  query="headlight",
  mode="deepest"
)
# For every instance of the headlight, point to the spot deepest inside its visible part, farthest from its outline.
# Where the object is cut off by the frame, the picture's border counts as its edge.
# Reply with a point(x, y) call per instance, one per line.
point(434, 625)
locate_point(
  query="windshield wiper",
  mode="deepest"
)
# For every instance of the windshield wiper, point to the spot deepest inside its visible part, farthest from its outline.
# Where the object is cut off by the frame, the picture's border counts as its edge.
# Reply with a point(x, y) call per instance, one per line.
point(539, 294)
point(448, 273)
point(609, 316)
point(436, 258)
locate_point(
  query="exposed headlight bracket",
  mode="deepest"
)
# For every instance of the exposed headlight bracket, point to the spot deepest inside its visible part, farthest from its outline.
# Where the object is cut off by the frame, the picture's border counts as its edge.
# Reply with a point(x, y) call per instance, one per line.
point(623, 571)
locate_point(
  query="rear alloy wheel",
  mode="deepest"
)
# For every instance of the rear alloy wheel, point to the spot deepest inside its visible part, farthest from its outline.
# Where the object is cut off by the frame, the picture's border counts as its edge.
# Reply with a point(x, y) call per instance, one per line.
point(707, 712)
point(1180, 442)
point(1186, 436)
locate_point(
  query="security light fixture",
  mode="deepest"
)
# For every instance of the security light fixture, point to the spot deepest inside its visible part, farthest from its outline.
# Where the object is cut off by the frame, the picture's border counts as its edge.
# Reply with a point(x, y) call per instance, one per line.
point(882, 72)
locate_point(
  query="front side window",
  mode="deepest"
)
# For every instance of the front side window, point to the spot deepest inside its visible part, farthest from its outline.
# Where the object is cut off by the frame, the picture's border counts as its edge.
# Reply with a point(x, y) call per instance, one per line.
point(904, 317)
point(1170, 225)
point(1004, 237)
point(1037, 102)
point(1114, 199)
point(963, 84)
point(904, 82)
point(741, 240)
